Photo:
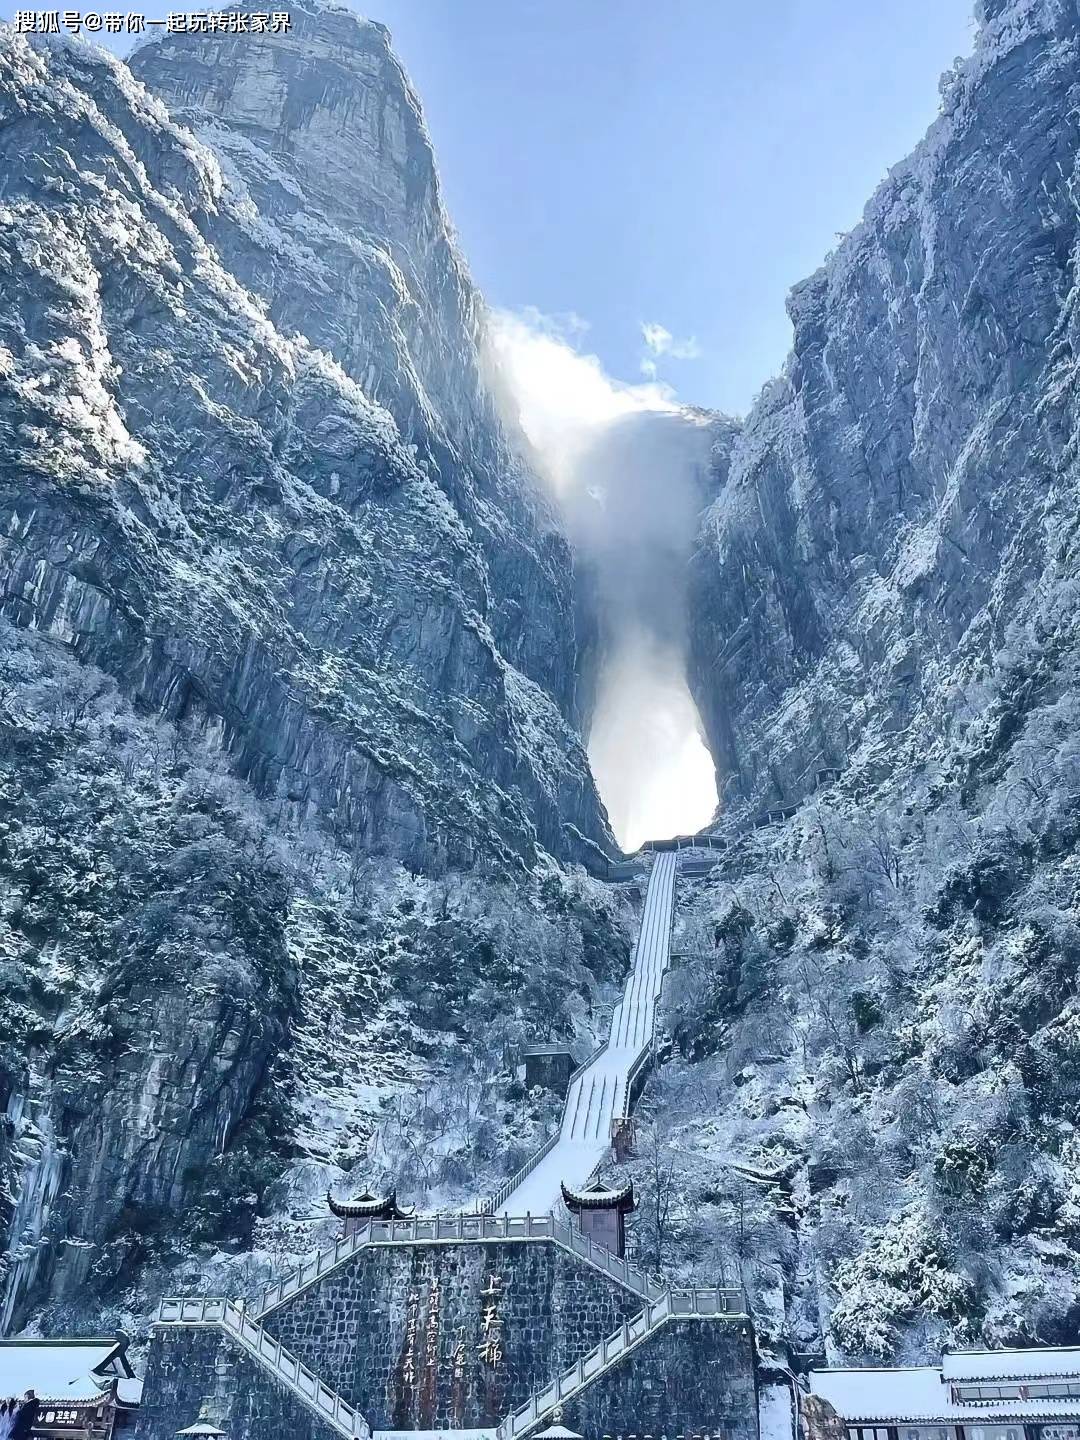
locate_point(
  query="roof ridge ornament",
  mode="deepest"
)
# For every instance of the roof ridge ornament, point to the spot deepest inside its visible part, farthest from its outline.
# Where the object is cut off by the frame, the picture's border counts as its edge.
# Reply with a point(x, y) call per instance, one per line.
point(367, 1205)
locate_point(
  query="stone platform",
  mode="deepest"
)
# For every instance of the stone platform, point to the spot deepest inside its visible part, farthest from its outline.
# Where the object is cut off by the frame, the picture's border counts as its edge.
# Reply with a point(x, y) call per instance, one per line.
point(484, 1333)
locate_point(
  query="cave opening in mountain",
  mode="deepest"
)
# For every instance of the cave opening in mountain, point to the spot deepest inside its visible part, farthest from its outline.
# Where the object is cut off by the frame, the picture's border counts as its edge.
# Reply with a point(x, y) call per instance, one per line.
point(646, 745)
point(631, 516)
point(631, 472)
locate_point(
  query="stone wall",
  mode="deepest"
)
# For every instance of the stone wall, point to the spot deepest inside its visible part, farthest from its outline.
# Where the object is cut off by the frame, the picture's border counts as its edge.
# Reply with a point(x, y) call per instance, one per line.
point(450, 1334)
point(190, 1366)
point(551, 1069)
point(690, 1377)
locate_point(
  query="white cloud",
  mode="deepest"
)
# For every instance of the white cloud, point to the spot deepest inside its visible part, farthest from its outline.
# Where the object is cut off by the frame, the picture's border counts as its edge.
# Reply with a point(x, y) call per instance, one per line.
point(563, 397)
point(624, 461)
point(661, 343)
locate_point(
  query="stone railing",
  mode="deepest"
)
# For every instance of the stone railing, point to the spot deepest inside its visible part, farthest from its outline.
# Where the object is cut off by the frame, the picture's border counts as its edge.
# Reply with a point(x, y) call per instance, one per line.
point(672, 1305)
point(632, 1075)
point(636, 1070)
point(231, 1317)
point(270, 1353)
point(459, 1228)
point(507, 1188)
point(492, 1203)
point(686, 842)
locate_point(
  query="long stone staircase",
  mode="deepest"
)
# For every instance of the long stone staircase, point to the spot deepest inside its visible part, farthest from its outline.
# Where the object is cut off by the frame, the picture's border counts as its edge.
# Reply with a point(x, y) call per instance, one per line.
point(237, 1323)
point(600, 1091)
point(671, 1305)
point(233, 1320)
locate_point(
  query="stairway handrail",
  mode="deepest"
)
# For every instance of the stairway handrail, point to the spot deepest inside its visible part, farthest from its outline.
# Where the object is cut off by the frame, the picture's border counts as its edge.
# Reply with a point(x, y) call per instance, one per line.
point(709, 1303)
point(419, 1230)
point(632, 1074)
point(492, 1203)
point(232, 1317)
point(649, 1048)
point(509, 1186)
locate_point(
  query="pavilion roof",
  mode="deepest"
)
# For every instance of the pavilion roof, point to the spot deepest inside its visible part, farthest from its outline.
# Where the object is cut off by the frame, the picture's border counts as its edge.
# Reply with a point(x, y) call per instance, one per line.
point(368, 1206)
point(600, 1197)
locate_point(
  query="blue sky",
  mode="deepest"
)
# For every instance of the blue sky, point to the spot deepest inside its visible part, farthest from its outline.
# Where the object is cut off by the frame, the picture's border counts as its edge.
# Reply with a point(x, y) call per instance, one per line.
point(678, 165)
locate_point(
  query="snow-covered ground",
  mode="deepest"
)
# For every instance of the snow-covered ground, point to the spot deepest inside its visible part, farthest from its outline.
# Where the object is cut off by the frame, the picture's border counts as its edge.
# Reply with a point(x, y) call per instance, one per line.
point(774, 1413)
point(596, 1096)
point(446, 1434)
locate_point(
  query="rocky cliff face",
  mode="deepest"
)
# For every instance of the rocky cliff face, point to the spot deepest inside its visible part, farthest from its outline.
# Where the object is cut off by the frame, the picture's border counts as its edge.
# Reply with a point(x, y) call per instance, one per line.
point(283, 614)
point(251, 466)
point(282, 610)
point(879, 1010)
point(334, 219)
point(902, 492)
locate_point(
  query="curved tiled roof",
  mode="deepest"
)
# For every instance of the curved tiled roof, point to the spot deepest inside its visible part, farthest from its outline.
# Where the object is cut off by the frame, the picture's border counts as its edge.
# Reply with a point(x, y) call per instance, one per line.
point(368, 1206)
point(600, 1197)
point(66, 1372)
point(1044, 1362)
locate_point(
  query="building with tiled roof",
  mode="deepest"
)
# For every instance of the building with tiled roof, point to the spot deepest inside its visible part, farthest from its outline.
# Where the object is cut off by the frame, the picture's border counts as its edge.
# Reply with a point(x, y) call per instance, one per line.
point(1031, 1394)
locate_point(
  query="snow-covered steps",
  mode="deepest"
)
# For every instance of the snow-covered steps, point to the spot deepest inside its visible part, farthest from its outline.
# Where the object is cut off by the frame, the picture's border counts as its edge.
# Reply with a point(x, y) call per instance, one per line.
point(600, 1091)
point(235, 1322)
point(418, 1338)
point(458, 1229)
point(616, 1349)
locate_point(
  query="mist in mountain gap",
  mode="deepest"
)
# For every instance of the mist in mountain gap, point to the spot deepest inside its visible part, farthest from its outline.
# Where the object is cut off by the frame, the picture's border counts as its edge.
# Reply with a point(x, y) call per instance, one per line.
point(628, 467)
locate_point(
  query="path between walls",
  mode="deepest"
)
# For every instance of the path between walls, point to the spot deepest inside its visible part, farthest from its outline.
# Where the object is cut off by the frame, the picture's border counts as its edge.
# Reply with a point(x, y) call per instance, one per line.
point(598, 1092)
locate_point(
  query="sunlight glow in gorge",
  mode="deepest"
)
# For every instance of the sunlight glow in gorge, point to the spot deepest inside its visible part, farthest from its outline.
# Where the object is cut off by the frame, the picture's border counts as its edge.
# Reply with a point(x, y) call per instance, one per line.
point(652, 766)
point(623, 462)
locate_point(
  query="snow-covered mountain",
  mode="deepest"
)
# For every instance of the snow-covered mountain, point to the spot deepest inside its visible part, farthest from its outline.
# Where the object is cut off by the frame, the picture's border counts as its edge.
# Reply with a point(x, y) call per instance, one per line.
point(251, 465)
point(294, 659)
point(898, 498)
point(283, 613)
point(880, 1011)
